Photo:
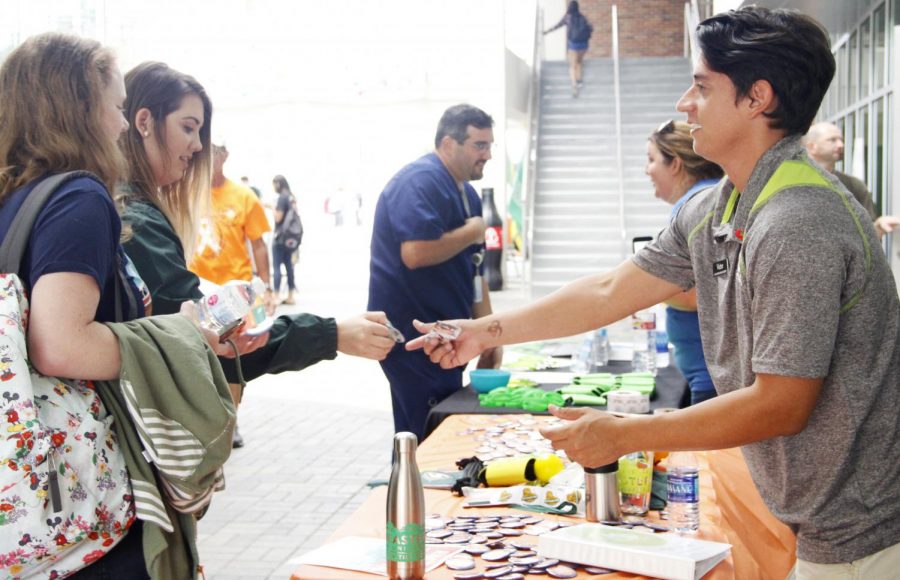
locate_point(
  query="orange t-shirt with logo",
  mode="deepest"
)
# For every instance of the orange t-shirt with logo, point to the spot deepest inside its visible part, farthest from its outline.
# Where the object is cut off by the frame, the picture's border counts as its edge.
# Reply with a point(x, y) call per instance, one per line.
point(222, 252)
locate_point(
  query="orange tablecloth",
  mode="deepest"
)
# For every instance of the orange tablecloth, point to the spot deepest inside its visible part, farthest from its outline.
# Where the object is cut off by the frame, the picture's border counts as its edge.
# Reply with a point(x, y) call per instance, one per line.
point(730, 508)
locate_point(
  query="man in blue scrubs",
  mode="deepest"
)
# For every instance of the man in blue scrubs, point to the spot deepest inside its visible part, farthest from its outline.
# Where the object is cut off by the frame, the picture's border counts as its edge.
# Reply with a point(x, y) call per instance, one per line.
point(427, 249)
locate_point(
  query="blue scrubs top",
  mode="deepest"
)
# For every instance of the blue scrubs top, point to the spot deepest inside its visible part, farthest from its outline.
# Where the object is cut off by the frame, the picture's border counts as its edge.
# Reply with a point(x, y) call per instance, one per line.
point(421, 202)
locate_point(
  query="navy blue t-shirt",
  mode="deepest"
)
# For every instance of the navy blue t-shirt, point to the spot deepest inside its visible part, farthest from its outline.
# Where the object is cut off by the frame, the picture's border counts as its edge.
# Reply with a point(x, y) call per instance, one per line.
point(422, 202)
point(77, 231)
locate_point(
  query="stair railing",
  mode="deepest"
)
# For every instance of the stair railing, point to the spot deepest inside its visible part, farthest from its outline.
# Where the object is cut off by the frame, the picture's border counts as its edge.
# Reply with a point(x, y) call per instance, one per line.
point(534, 119)
point(620, 157)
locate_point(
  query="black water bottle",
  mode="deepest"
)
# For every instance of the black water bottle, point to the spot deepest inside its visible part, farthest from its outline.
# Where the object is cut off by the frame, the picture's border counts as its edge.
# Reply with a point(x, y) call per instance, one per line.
point(493, 241)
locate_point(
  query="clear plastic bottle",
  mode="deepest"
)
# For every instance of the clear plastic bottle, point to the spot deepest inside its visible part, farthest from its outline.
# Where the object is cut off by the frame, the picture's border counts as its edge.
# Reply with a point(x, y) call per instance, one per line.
point(600, 348)
point(683, 489)
point(582, 362)
point(643, 324)
point(662, 349)
point(231, 302)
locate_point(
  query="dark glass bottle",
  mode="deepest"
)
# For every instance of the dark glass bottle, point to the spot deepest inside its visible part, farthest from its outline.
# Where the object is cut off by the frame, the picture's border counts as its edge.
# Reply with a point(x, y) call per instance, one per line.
point(493, 240)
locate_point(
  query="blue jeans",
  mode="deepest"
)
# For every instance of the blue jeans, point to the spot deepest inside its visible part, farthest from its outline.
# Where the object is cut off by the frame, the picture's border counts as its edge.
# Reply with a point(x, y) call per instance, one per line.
point(125, 560)
point(684, 333)
point(282, 255)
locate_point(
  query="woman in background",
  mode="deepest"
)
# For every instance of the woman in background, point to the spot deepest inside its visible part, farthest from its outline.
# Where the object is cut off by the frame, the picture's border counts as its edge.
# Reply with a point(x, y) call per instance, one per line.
point(578, 35)
point(284, 246)
point(678, 174)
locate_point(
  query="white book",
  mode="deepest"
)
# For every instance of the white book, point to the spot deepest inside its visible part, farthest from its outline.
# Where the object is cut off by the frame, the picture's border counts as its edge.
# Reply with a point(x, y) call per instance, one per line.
point(661, 555)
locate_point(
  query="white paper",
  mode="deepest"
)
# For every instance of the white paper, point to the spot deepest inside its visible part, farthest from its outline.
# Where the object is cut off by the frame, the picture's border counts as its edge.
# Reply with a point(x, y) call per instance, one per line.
point(365, 554)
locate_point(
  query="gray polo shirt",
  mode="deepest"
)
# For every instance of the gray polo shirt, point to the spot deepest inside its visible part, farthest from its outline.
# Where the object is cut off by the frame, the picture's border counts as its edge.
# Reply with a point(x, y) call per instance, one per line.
point(798, 286)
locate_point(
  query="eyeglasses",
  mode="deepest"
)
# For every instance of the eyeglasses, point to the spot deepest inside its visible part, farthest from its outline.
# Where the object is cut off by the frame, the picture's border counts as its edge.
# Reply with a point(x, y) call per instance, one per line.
point(666, 127)
point(483, 146)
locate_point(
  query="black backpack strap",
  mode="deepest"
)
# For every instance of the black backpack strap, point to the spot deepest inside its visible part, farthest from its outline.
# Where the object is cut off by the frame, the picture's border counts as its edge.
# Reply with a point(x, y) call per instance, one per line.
point(16, 240)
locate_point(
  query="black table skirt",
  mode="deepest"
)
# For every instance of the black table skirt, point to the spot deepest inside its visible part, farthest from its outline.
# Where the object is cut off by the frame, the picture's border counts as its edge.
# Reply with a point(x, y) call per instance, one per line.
point(671, 391)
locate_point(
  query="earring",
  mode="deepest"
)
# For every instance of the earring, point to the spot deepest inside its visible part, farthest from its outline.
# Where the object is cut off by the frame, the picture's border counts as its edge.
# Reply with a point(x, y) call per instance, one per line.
point(146, 133)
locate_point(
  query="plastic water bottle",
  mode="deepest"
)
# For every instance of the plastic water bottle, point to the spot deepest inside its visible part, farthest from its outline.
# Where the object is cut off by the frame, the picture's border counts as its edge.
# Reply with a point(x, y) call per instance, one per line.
point(683, 489)
point(582, 362)
point(600, 348)
point(662, 349)
point(405, 528)
point(643, 325)
point(231, 302)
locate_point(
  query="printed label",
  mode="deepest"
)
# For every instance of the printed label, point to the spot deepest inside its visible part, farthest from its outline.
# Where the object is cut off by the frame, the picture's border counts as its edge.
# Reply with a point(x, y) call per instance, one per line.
point(493, 238)
point(406, 544)
point(635, 475)
point(683, 488)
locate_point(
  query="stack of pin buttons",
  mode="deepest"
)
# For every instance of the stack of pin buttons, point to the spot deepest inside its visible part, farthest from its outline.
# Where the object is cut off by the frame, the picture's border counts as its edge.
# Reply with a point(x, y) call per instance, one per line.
point(501, 542)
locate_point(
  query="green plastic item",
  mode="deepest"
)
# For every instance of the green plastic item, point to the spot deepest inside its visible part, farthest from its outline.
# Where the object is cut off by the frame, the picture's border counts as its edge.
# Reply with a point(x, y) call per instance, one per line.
point(578, 390)
point(585, 400)
point(527, 398)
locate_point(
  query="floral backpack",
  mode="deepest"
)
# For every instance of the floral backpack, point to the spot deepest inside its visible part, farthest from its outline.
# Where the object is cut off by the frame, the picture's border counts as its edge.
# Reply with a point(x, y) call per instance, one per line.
point(65, 495)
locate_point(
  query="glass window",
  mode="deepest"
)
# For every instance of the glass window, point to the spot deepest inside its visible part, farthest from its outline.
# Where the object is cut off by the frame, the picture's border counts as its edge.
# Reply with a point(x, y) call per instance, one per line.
point(864, 143)
point(865, 50)
point(849, 135)
point(842, 88)
point(878, 33)
point(853, 68)
point(879, 156)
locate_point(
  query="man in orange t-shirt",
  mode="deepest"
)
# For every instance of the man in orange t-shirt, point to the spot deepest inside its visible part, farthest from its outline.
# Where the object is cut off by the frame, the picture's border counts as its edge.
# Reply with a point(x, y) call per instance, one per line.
point(237, 216)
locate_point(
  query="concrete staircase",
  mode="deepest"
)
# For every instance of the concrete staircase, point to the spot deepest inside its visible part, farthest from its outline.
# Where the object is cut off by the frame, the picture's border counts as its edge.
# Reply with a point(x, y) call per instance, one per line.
point(577, 220)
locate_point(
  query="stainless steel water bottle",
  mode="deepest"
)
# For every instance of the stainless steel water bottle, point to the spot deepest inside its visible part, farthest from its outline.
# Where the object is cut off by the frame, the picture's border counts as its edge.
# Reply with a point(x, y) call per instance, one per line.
point(405, 513)
point(601, 493)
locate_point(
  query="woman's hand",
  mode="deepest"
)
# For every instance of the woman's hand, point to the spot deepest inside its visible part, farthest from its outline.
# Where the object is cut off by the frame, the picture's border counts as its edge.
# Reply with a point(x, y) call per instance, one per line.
point(366, 335)
point(244, 342)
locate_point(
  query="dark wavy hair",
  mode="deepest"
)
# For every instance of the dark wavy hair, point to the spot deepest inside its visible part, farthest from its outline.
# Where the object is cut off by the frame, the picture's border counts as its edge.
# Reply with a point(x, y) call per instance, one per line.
point(160, 89)
point(281, 184)
point(456, 120)
point(784, 47)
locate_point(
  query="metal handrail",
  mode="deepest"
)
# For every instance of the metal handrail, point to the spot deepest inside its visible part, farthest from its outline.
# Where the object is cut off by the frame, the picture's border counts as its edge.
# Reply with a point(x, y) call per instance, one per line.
point(530, 175)
point(620, 161)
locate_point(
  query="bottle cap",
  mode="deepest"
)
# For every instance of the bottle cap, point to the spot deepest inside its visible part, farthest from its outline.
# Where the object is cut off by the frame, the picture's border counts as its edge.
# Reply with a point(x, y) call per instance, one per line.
point(608, 468)
point(405, 442)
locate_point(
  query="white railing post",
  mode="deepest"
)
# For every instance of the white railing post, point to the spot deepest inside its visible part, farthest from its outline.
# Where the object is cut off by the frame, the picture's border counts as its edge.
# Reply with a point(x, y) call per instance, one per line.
point(620, 161)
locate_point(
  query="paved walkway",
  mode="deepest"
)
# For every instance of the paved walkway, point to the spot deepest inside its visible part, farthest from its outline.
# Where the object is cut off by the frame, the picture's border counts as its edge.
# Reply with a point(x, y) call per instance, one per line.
point(313, 438)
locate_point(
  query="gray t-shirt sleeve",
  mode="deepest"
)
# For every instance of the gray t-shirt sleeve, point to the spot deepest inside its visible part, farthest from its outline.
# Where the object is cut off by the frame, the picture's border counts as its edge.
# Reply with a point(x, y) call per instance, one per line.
point(795, 275)
point(668, 256)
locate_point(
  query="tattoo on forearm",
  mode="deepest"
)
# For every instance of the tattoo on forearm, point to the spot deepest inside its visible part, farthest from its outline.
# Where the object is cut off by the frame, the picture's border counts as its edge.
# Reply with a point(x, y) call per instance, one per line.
point(494, 329)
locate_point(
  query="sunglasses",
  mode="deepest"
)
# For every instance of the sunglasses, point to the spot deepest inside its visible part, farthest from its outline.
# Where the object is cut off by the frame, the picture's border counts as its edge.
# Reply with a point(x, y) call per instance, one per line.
point(666, 127)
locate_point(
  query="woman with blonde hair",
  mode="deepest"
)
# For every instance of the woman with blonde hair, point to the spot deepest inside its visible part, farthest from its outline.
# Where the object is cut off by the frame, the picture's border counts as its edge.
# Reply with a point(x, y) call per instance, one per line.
point(678, 174)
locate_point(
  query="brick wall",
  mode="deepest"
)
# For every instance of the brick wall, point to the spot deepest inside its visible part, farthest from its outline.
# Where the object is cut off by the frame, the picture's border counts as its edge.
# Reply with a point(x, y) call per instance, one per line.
point(646, 27)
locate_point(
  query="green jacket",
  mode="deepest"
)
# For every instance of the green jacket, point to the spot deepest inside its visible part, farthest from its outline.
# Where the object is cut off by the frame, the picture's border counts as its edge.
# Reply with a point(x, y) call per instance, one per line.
point(295, 341)
point(174, 419)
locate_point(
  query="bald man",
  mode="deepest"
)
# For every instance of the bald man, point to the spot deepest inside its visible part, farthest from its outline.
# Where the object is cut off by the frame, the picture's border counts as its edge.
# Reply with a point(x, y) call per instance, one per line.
point(825, 145)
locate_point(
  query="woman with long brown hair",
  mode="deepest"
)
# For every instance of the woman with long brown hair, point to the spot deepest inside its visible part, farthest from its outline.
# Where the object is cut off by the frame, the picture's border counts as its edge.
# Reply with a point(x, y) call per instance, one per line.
point(169, 150)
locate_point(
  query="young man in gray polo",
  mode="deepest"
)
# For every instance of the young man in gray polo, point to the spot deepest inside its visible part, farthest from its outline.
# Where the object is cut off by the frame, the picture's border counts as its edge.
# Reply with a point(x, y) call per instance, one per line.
point(798, 310)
